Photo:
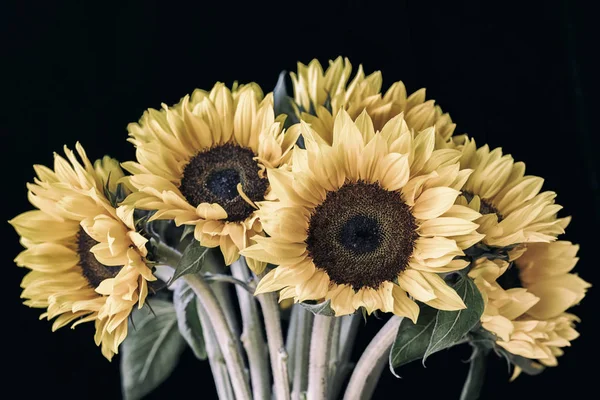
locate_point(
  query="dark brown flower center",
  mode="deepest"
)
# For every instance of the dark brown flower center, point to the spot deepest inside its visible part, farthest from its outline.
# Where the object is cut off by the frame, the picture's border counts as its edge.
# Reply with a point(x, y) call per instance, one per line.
point(485, 206)
point(212, 176)
point(93, 270)
point(362, 235)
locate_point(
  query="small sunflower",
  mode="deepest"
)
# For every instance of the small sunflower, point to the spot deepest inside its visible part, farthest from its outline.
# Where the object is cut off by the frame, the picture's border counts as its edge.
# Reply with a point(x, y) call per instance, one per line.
point(319, 95)
point(202, 163)
point(541, 340)
point(87, 260)
point(544, 270)
point(525, 303)
point(366, 221)
point(502, 305)
point(514, 211)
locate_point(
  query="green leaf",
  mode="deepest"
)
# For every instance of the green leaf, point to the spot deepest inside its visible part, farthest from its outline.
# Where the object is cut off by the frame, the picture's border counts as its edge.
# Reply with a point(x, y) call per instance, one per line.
point(187, 230)
point(151, 350)
point(191, 262)
point(188, 320)
point(452, 326)
point(323, 308)
point(412, 340)
point(474, 383)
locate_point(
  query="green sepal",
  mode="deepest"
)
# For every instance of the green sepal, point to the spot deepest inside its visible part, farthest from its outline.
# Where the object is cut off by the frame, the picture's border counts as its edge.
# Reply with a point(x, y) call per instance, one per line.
point(323, 308)
point(283, 103)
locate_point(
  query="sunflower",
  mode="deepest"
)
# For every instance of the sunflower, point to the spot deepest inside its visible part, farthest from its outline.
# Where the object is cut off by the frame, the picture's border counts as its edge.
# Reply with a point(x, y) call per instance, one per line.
point(514, 211)
point(86, 259)
point(525, 302)
point(502, 305)
point(544, 271)
point(319, 95)
point(356, 223)
point(202, 163)
point(541, 340)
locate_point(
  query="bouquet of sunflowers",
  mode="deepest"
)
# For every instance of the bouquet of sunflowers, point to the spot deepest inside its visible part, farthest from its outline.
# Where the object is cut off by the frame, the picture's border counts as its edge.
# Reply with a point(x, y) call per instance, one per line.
point(263, 231)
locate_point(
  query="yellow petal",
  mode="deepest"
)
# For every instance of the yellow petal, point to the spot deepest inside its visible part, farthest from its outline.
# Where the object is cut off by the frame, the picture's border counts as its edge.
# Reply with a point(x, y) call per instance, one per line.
point(341, 299)
point(434, 202)
point(416, 285)
point(48, 257)
point(315, 288)
point(446, 297)
point(403, 305)
point(463, 212)
point(229, 250)
point(211, 211)
point(446, 226)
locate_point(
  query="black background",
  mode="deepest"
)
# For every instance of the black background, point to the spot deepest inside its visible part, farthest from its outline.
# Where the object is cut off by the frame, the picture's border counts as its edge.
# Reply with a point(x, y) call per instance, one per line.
point(512, 76)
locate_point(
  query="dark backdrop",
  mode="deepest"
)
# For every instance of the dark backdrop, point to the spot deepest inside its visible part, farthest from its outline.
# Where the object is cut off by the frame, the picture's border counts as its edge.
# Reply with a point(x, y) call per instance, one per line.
point(511, 76)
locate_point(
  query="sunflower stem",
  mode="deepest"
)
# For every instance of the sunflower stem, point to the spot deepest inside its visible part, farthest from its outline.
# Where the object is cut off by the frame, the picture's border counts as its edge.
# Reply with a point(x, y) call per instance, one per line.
point(227, 341)
point(290, 343)
point(372, 361)
point(348, 329)
point(166, 253)
point(216, 267)
point(277, 352)
point(252, 336)
point(215, 357)
point(229, 279)
point(320, 350)
point(334, 355)
point(300, 340)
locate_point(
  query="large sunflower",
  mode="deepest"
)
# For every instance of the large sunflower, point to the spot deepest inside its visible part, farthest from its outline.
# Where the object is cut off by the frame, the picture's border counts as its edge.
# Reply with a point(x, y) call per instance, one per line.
point(514, 211)
point(202, 163)
point(86, 258)
point(525, 303)
point(357, 225)
point(319, 95)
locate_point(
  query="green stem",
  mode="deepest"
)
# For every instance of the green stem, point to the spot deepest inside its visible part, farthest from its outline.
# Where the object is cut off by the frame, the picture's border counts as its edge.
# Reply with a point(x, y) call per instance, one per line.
point(252, 336)
point(475, 379)
point(334, 355)
point(366, 373)
point(228, 279)
point(167, 254)
point(215, 357)
point(227, 341)
point(300, 340)
point(290, 341)
point(348, 329)
point(320, 349)
point(216, 266)
point(277, 352)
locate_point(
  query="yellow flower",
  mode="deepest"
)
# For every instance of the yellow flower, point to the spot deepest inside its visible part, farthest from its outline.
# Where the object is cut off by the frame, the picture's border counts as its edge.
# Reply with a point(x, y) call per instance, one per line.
point(366, 220)
point(202, 163)
point(544, 270)
point(525, 303)
point(514, 211)
point(502, 305)
point(319, 95)
point(86, 258)
point(541, 340)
